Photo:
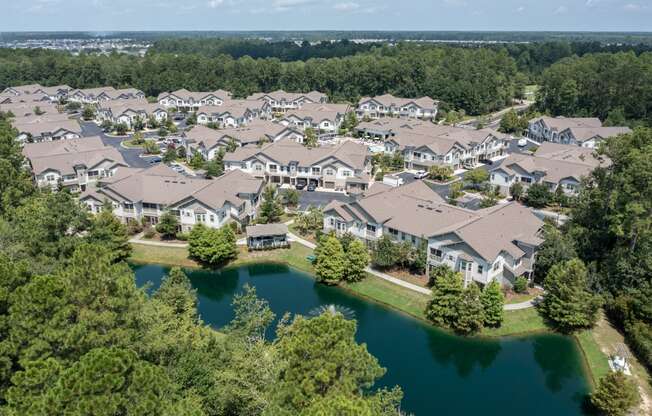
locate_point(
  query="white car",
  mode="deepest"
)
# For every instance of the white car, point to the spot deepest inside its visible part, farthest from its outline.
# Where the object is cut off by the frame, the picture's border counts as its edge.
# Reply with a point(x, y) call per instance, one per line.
point(420, 174)
point(522, 142)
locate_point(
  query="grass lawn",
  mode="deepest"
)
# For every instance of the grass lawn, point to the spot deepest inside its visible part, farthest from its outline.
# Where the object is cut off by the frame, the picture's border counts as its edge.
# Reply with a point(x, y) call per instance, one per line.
point(518, 322)
point(131, 144)
point(531, 89)
point(406, 300)
point(168, 256)
point(595, 358)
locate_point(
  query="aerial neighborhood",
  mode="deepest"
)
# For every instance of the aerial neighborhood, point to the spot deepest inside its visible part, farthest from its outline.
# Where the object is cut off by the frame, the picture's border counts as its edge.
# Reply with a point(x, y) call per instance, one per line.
point(393, 164)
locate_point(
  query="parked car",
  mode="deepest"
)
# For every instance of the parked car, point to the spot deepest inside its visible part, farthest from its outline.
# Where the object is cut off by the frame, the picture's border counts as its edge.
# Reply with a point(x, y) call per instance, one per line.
point(522, 142)
point(300, 185)
point(420, 174)
point(178, 168)
point(155, 160)
point(311, 187)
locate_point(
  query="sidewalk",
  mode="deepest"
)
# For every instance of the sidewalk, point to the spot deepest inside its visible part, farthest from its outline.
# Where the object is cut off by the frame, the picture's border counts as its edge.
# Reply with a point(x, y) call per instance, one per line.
point(138, 239)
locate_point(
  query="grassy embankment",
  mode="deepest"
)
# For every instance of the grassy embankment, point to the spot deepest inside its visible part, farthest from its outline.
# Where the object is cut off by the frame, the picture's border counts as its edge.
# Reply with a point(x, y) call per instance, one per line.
point(407, 301)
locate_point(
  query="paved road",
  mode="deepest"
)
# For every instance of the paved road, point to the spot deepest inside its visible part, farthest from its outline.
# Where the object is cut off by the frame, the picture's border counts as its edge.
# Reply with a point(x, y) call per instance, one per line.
point(131, 156)
point(320, 199)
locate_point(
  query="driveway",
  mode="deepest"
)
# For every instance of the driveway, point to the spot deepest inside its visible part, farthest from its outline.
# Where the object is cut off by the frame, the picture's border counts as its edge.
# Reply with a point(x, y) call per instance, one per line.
point(131, 156)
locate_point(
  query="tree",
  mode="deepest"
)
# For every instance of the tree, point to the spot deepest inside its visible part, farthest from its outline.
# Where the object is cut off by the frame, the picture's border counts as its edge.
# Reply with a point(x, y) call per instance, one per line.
point(446, 297)
point(455, 191)
point(310, 221)
point(356, 260)
point(231, 145)
point(107, 231)
point(516, 191)
point(291, 197)
point(210, 246)
point(214, 167)
point(177, 292)
point(470, 311)
point(538, 196)
point(271, 207)
point(512, 123)
point(616, 395)
point(138, 138)
point(310, 138)
point(88, 113)
point(197, 161)
point(567, 302)
point(557, 247)
point(493, 302)
point(320, 358)
point(151, 148)
point(168, 225)
point(121, 129)
point(163, 131)
point(520, 284)
point(476, 178)
point(384, 253)
point(170, 155)
point(440, 173)
point(330, 262)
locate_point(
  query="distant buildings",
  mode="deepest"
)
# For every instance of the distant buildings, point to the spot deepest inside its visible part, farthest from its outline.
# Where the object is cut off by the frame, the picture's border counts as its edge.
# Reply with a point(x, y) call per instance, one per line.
point(584, 132)
point(282, 101)
point(324, 119)
point(130, 111)
point(389, 106)
point(184, 100)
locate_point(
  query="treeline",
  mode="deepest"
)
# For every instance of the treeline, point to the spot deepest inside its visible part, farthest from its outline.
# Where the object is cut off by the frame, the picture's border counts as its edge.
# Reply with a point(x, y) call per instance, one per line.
point(475, 80)
point(617, 87)
point(78, 337)
point(237, 48)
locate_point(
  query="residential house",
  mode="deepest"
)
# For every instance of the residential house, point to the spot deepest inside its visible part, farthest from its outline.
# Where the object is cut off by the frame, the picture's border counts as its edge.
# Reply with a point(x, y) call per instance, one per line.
point(24, 109)
point(73, 164)
point(145, 194)
point(44, 130)
point(389, 106)
point(343, 167)
point(23, 89)
point(96, 95)
point(499, 244)
point(282, 101)
point(130, 111)
point(8, 98)
point(428, 145)
point(555, 165)
point(584, 132)
point(386, 128)
point(185, 100)
point(324, 119)
point(35, 92)
point(266, 236)
point(209, 141)
point(233, 113)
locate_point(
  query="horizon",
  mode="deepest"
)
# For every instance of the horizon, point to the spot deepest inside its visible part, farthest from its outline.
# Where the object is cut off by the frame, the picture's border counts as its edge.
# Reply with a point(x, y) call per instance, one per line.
point(340, 15)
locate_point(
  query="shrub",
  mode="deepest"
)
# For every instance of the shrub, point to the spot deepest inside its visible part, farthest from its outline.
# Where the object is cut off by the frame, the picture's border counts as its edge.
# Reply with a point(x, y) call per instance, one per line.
point(520, 285)
point(134, 227)
point(616, 395)
point(181, 236)
point(149, 232)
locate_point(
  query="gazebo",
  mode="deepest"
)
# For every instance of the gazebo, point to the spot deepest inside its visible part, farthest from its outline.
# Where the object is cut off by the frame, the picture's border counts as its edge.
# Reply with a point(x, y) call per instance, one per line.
point(267, 236)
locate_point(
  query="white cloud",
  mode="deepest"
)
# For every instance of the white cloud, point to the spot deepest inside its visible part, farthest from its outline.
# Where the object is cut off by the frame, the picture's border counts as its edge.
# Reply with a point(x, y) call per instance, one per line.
point(520, 9)
point(635, 7)
point(214, 4)
point(289, 4)
point(561, 10)
point(346, 7)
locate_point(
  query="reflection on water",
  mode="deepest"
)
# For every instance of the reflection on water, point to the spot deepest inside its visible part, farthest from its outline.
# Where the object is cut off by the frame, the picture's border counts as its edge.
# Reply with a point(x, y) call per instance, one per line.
point(439, 373)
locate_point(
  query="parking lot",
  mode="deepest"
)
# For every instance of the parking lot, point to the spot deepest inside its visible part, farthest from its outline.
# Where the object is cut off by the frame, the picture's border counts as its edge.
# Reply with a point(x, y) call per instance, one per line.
point(319, 199)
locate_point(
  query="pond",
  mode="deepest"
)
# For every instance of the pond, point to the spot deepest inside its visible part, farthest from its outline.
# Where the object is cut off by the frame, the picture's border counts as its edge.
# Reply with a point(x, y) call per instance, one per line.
point(439, 373)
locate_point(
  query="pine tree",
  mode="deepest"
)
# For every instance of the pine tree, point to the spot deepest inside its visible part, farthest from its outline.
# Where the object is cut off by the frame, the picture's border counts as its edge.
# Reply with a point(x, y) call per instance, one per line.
point(616, 395)
point(167, 225)
point(493, 302)
point(568, 302)
point(357, 259)
point(330, 262)
point(470, 311)
point(271, 208)
point(446, 296)
point(107, 231)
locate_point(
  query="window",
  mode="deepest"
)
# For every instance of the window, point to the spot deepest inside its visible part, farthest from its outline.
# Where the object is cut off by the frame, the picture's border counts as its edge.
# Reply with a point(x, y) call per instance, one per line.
point(49, 178)
point(315, 171)
point(371, 227)
point(331, 222)
point(392, 232)
point(329, 172)
point(496, 266)
point(450, 257)
point(526, 179)
point(212, 218)
point(200, 217)
point(258, 167)
point(436, 252)
point(346, 173)
point(147, 205)
point(480, 269)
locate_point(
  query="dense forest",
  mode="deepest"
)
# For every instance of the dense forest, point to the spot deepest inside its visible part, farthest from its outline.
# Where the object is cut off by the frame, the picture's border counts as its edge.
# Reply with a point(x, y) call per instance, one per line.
point(78, 337)
point(475, 80)
point(617, 87)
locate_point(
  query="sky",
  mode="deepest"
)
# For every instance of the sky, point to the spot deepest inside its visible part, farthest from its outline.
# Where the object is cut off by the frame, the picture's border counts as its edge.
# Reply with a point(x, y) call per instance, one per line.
point(537, 15)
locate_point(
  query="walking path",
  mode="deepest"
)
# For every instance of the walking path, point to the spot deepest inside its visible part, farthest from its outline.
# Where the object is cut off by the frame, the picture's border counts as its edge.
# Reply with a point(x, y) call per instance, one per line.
point(137, 239)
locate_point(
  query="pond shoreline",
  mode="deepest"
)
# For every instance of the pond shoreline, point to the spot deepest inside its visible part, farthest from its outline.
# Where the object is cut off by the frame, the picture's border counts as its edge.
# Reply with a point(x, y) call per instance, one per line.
point(295, 258)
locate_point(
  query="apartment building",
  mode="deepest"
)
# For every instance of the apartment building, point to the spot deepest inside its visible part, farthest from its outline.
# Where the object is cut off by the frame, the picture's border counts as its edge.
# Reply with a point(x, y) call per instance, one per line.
point(36, 130)
point(97, 95)
point(24, 109)
point(53, 94)
point(209, 141)
point(555, 165)
point(130, 111)
point(233, 113)
point(146, 194)
point(189, 101)
point(8, 98)
point(385, 128)
point(584, 132)
point(72, 164)
point(324, 119)
point(345, 167)
point(498, 243)
point(282, 101)
point(424, 146)
point(389, 106)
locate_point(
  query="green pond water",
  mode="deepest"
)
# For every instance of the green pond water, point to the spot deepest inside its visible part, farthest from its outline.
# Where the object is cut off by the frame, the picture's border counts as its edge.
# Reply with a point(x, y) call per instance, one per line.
point(440, 374)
